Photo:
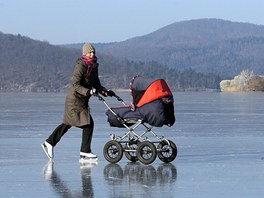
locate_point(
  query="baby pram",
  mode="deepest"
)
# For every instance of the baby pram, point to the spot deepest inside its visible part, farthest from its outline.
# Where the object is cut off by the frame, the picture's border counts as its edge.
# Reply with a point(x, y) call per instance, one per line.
point(152, 106)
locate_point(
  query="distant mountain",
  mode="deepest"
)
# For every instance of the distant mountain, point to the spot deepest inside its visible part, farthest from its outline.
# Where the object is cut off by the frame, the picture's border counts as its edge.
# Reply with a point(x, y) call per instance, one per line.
point(30, 65)
point(33, 66)
point(206, 45)
point(189, 55)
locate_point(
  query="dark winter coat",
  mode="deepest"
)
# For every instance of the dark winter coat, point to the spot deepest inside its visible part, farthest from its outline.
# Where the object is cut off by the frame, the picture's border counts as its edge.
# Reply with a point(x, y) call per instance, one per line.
point(77, 111)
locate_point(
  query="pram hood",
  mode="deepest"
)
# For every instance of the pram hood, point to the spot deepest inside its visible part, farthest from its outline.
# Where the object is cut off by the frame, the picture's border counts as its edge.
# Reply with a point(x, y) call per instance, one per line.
point(153, 102)
point(144, 90)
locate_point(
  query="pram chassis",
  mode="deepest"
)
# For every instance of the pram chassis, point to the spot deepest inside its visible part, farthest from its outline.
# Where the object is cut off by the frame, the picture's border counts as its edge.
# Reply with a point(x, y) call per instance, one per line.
point(137, 147)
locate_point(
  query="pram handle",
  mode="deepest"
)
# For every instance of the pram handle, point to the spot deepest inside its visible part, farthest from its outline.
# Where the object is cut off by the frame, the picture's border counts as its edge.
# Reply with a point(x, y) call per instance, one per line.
point(99, 97)
point(118, 98)
point(102, 99)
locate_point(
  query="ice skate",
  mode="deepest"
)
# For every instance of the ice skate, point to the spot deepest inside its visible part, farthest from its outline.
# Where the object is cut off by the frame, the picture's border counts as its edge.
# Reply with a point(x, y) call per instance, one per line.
point(48, 149)
point(88, 158)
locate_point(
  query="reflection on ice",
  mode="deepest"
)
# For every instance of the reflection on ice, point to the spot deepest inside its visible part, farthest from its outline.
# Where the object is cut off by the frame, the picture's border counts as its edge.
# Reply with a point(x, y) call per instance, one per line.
point(59, 185)
point(133, 179)
point(138, 179)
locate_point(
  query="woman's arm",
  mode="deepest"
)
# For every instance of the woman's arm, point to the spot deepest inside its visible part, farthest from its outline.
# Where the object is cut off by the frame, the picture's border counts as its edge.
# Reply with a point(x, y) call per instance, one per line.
point(77, 78)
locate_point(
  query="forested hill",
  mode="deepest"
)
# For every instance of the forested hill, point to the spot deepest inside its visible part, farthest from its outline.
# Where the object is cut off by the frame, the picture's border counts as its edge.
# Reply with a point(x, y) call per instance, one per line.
point(194, 54)
point(28, 65)
point(205, 45)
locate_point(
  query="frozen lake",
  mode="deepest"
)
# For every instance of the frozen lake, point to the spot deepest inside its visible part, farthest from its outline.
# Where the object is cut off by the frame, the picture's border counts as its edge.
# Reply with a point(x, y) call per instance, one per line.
point(220, 140)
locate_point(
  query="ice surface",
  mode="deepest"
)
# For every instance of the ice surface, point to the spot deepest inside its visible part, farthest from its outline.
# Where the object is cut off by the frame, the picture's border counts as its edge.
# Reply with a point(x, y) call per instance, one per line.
point(219, 136)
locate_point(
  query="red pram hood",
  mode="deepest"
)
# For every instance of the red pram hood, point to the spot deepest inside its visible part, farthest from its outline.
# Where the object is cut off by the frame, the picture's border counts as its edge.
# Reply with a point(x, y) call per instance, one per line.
point(144, 91)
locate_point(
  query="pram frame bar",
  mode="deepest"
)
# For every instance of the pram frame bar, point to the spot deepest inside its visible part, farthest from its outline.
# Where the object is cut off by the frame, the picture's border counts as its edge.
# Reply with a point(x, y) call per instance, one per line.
point(137, 123)
point(117, 116)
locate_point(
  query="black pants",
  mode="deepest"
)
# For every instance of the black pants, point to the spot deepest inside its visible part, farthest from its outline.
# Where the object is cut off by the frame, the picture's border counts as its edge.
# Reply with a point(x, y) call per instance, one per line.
point(87, 135)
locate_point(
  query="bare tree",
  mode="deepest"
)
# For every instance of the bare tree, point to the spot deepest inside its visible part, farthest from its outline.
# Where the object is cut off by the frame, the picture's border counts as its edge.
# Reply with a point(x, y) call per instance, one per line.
point(244, 78)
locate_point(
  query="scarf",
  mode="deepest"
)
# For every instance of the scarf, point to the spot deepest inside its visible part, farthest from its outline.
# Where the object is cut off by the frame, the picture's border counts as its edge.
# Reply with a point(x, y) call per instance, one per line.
point(90, 63)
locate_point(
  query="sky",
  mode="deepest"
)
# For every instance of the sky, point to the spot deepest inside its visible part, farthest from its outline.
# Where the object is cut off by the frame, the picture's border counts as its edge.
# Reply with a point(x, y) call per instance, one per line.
point(103, 21)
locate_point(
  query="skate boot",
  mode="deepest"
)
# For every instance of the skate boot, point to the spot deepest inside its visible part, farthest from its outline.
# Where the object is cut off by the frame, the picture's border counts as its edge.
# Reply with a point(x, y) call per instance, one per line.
point(88, 157)
point(48, 149)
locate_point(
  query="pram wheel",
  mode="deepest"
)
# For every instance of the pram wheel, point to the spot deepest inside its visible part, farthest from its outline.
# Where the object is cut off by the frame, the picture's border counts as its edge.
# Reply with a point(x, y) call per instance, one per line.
point(146, 152)
point(167, 151)
point(113, 151)
point(131, 150)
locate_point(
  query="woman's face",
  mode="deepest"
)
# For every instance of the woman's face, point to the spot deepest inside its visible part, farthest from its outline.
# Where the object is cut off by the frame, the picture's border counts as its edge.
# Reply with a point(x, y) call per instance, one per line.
point(90, 54)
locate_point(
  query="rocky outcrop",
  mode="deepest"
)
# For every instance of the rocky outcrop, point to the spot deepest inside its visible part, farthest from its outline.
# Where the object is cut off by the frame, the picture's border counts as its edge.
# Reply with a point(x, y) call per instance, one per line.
point(246, 81)
point(255, 84)
point(228, 86)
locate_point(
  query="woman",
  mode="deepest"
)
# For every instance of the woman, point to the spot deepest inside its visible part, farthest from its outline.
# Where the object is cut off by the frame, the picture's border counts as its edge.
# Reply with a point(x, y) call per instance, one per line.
point(85, 83)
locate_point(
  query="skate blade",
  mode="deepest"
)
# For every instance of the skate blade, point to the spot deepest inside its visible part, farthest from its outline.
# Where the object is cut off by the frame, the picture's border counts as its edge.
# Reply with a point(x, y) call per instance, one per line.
point(89, 161)
point(45, 151)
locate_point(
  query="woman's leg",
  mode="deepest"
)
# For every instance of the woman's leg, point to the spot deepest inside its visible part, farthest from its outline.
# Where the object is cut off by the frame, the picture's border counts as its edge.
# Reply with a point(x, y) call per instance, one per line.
point(87, 136)
point(56, 135)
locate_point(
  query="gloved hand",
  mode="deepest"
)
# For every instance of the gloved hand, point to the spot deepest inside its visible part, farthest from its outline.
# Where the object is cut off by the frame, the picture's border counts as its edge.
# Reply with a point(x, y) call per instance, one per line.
point(93, 91)
point(110, 93)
